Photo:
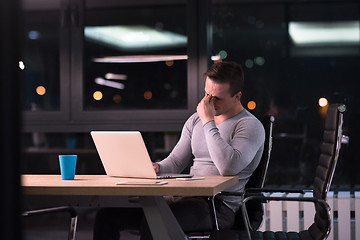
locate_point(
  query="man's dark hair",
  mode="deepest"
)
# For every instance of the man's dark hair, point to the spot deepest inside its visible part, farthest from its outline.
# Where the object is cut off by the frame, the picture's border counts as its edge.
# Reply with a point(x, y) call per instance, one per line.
point(227, 72)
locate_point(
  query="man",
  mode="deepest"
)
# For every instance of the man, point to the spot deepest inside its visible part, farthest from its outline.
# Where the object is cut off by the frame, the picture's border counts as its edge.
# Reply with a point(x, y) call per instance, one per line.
point(221, 138)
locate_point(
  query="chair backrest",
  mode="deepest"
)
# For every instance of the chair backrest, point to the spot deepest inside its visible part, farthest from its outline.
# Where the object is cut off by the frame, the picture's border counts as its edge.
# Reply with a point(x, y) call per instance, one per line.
point(329, 154)
point(257, 179)
point(329, 151)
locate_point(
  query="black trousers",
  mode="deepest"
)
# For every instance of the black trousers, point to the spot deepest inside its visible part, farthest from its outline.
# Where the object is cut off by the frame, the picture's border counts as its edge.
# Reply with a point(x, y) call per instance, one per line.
point(194, 214)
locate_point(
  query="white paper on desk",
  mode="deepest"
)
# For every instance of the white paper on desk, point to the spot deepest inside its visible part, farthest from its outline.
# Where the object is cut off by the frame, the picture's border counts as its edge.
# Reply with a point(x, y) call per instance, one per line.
point(140, 183)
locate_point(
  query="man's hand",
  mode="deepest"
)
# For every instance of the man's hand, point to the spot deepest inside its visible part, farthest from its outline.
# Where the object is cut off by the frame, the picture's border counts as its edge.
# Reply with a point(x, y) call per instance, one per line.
point(156, 167)
point(206, 109)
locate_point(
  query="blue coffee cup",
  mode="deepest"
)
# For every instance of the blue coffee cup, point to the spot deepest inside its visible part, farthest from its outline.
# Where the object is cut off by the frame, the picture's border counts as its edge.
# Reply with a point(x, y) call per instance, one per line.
point(67, 166)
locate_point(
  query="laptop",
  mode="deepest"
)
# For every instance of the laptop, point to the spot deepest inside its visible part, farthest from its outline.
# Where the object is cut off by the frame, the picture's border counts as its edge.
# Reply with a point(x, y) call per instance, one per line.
point(124, 154)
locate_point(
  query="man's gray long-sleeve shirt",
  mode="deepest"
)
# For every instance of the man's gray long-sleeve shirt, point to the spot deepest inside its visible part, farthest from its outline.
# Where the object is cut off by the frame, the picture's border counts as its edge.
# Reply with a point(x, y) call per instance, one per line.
point(233, 147)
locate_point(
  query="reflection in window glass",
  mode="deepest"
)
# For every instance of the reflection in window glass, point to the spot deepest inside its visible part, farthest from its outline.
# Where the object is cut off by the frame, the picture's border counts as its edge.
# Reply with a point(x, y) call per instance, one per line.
point(39, 60)
point(135, 58)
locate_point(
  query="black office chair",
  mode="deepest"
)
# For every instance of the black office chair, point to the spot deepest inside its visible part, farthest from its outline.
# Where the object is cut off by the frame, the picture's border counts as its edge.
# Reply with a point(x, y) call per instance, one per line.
point(257, 180)
point(320, 229)
point(66, 209)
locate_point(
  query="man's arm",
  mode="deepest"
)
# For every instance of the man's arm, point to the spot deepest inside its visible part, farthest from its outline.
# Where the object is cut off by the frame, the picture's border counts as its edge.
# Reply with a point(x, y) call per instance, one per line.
point(181, 156)
point(231, 158)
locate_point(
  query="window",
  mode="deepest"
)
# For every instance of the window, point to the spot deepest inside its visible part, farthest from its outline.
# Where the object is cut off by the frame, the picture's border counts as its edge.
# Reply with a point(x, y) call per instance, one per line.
point(291, 61)
point(135, 58)
point(114, 64)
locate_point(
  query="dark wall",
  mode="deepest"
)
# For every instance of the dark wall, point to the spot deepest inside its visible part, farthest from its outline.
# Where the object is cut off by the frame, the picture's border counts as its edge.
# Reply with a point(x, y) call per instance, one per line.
point(9, 122)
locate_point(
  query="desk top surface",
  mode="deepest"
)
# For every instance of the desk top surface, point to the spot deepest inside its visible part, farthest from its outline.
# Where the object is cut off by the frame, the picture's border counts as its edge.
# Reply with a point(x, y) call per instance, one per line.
point(103, 185)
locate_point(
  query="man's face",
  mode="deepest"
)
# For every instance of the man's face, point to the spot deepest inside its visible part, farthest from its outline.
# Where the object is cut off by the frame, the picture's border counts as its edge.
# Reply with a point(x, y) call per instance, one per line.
point(223, 101)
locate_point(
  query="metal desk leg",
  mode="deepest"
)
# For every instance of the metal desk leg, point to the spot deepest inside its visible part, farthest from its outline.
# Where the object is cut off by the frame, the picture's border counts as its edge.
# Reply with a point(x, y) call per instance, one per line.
point(163, 225)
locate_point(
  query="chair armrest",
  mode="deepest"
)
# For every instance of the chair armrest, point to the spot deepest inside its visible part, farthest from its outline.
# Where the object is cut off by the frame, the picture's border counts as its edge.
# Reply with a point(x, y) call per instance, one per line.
point(272, 190)
point(269, 198)
point(68, 209)
point(260, 191)
point(230, 193)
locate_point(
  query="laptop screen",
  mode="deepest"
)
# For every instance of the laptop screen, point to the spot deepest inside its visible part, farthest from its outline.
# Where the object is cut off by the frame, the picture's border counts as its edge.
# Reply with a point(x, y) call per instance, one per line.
point(123, 154)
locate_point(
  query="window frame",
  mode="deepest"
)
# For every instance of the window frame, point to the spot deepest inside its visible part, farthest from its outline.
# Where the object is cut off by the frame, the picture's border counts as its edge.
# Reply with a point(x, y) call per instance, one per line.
point(73, 118)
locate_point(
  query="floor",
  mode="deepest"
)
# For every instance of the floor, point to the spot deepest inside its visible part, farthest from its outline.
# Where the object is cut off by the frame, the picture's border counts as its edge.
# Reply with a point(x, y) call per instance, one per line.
point(55, 226)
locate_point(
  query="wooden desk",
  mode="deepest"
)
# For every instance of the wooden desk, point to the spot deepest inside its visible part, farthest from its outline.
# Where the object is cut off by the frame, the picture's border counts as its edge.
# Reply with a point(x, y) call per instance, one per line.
point(101, 191)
